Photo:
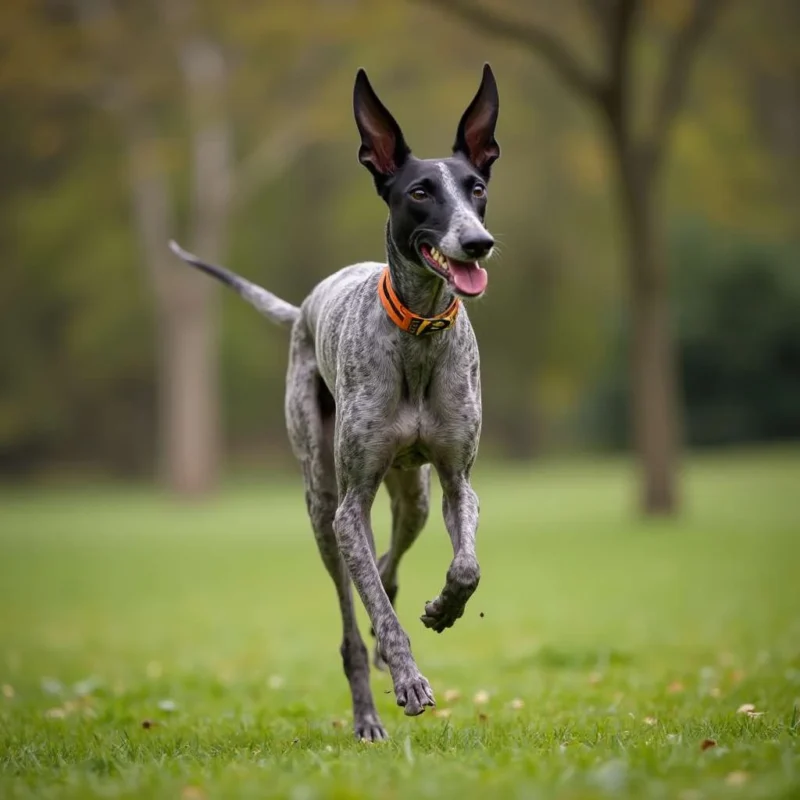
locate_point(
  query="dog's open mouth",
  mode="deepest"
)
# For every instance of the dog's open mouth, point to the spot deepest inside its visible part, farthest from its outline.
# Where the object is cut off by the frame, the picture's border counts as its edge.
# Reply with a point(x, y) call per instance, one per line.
point(467, 277)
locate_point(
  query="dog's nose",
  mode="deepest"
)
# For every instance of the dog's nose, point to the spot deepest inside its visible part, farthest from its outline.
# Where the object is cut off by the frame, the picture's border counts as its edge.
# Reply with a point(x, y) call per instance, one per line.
point(478, 246)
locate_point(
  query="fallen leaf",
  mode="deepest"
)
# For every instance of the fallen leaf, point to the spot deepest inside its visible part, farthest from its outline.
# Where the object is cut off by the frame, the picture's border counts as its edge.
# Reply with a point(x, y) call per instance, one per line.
point(517, 703)
point(737, 778)
point(745, 708)
point(451, 695)
point(650, 721)
point(442, 713)
point(8, 691)
point(483, 717)
point(707, 744)
point(192, 793)
point(481, 698)
point(338, 723)
point(676, 687)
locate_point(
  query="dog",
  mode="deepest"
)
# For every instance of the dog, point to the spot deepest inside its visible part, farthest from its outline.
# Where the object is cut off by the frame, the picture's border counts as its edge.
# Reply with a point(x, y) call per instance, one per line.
point(383, 383)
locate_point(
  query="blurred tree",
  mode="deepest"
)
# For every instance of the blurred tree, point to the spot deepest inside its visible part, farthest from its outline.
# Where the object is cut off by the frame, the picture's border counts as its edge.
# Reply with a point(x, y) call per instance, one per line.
point(736, 306)
point(638, 158)
point(187, 67)
point(739, 338)
point(79, 318)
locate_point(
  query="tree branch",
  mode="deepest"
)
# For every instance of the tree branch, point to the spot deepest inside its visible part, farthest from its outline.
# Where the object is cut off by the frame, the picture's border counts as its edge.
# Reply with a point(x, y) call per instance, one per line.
point(617, 95)
point(530, 36)
point(678, 64)
point(600, 10)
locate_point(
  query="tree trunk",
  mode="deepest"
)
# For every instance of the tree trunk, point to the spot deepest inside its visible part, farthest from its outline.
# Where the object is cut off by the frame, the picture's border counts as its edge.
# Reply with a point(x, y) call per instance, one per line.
point(188, 387)
point(187, 317)
point(654, 406)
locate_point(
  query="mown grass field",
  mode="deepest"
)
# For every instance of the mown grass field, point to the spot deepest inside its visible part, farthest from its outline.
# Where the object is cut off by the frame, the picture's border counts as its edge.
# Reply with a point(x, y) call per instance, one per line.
point(609, 648)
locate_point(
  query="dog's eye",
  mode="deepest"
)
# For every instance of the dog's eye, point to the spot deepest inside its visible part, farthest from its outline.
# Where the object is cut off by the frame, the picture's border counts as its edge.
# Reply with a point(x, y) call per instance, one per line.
point(479, 191)
point(418, 194)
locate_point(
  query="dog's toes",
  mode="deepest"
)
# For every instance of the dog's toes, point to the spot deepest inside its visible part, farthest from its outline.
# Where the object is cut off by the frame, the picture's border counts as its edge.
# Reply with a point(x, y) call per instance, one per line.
point(414, 696)
point(369, 729)
point(443, 611)
point(432, 613)
point(429, 622)
point(439, 617)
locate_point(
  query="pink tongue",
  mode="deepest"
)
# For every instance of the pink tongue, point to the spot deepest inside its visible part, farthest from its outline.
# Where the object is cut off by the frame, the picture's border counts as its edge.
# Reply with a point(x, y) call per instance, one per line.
point(467, 276)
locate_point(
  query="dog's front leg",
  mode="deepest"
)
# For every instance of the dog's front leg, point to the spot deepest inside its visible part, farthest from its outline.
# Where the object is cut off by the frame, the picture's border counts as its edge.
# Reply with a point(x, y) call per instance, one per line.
point(460, 508)
point(353, 533)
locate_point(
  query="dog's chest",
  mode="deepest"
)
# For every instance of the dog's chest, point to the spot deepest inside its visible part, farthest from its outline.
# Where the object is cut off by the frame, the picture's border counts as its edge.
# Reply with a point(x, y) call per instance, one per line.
point(430, 433)
point(438, 415)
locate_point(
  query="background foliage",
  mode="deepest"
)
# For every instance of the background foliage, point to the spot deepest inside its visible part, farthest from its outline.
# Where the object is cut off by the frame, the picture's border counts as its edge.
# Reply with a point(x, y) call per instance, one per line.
point(79, 352)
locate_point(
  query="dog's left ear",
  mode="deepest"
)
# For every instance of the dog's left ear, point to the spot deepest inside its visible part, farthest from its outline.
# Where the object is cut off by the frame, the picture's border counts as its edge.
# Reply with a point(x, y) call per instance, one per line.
point(383, 149)
point(475, 136)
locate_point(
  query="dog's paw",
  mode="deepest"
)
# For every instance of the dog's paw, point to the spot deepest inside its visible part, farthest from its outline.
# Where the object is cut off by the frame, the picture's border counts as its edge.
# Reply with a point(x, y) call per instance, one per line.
point(414, 695)
point(442, 612)
point(368, 728)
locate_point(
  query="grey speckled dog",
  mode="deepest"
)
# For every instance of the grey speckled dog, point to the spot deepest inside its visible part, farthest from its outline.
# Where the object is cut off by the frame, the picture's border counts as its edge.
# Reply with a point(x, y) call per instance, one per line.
point(384, 380)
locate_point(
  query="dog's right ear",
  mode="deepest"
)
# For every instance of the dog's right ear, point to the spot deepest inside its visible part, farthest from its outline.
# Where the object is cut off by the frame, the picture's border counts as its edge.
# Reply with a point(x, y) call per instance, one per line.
point(383, 149)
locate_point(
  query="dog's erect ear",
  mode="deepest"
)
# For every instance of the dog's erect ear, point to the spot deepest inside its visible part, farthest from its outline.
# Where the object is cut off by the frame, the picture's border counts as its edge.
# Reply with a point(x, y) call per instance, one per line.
point(383, 149)
point(475, 137)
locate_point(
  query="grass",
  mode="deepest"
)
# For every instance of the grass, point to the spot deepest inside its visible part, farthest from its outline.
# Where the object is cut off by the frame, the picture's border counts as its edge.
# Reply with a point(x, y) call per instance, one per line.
point(609, 647)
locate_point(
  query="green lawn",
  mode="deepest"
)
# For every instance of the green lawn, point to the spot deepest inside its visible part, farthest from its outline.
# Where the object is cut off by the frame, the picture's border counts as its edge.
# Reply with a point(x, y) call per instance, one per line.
point(606, 649)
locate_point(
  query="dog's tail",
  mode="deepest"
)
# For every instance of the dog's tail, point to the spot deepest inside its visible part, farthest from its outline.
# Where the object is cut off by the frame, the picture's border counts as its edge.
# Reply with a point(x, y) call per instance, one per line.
point(265, 302)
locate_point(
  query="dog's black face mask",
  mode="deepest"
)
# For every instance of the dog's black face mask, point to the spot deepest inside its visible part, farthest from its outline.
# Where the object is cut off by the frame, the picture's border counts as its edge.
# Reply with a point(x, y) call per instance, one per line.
point(436, 207)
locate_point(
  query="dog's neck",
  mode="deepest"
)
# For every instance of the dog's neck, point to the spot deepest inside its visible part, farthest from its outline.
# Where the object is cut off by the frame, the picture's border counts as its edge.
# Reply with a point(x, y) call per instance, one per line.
point(420, 291)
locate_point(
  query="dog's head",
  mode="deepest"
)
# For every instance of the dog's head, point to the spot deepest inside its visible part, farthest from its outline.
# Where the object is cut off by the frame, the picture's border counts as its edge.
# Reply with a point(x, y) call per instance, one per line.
point(436, 207)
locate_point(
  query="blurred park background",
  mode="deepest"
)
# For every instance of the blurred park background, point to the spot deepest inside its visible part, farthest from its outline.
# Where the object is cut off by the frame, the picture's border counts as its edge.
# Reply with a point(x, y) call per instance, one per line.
point(646, 300)
point(640, 344)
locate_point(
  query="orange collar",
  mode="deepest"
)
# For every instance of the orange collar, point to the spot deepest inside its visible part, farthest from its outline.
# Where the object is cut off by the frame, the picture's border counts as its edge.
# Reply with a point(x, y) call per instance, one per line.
point(405, 319)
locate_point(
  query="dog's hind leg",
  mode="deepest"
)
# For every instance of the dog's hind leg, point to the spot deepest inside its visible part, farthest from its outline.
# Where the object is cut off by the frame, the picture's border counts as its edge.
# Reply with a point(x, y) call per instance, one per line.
point(309, 415)
point(409, 492)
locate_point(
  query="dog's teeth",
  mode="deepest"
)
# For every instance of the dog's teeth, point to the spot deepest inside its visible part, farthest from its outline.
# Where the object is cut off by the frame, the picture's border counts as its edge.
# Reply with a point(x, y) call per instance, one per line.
point(438, 257)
